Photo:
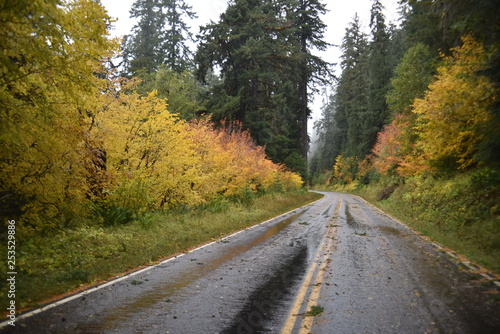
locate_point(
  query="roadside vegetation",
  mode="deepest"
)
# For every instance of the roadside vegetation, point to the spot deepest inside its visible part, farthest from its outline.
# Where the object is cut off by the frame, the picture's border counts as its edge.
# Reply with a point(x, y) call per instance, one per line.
point(81, 257)
point(432, 166)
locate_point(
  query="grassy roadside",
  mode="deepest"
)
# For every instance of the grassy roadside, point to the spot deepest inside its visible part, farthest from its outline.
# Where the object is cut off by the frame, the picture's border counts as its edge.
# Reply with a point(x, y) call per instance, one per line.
point(76, 259)
point(461, 213)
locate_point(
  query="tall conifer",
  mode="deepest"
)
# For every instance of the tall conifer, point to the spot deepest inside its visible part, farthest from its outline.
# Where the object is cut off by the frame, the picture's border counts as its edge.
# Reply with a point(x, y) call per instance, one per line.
point(263, 50)
point(159, 38)
point(380, 74)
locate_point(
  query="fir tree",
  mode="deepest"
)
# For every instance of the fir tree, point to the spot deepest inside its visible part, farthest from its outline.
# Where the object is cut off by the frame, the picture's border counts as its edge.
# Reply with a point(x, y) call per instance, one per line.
point(379, 79)
point(176, 34)
point(263, 51)
point(159, 37)
point(353, 91)
point(309, 31)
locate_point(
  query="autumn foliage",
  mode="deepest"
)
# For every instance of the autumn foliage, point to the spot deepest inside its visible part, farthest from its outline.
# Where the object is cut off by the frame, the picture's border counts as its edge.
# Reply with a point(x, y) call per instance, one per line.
point(388, 148)
point(78, 146)
point(138, 157)
point(455, 111)
point(448, 123)
point(175, 162)
point(51, 51)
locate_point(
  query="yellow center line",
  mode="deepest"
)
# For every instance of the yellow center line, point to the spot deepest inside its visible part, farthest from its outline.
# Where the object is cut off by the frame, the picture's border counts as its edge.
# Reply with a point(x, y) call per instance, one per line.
point(325, 248)
point(313, 299)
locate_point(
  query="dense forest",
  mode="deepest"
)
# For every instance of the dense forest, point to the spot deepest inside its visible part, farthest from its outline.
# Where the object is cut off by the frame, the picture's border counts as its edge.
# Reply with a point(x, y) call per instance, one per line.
point(419, 99)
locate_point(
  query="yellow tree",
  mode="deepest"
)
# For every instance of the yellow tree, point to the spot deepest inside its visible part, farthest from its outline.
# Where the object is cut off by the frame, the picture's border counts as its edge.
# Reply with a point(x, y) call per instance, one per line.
point(157, 161)
point(149, 153)
point(345, 169)
point(456, 109)
point(51, 51)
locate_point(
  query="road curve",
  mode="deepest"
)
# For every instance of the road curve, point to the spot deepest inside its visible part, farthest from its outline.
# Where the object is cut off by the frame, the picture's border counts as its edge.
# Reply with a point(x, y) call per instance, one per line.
point(367, 272)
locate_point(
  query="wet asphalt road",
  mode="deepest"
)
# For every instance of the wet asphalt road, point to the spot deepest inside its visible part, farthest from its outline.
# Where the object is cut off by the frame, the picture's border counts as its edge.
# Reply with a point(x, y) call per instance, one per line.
point(369, 273)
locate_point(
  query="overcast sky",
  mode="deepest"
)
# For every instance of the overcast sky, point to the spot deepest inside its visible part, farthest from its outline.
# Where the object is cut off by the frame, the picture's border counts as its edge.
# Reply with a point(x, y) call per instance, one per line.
point(340, 13)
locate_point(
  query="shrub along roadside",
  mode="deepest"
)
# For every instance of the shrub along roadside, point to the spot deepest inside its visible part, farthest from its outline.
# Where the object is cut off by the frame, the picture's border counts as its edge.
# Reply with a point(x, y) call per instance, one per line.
point(85, 256)
point(461, 212)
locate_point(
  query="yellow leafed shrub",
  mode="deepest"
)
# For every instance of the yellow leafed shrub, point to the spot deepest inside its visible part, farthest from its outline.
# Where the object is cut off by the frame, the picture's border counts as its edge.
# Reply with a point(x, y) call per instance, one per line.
point(456, 109)
point(178, 163)
point(47, 87)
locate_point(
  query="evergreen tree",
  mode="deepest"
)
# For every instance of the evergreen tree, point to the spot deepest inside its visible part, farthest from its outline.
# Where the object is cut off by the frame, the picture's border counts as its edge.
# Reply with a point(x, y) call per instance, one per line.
point(248, 46)
point(263, 51)
point(411, 78)
point(380, 74)
point(159, 37)
point(140, 49)
point(460, 17)
point(329, 142)
point(397, 45)
point(309, 30)
point(352, 92)
point(176, 34)
point(421, 24)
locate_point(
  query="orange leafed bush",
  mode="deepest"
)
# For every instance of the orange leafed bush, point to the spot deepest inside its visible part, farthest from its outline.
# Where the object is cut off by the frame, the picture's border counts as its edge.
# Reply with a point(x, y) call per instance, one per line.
point(177, 162)
point(388, 147)
point(234, 163)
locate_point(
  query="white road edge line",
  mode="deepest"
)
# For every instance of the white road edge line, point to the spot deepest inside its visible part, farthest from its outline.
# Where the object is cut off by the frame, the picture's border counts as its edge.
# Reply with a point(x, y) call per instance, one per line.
point(137, 272)
point(439, 247)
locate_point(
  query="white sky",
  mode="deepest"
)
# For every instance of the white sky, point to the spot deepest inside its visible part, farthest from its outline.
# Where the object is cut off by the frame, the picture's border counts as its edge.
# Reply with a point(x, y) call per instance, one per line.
point(340, 14)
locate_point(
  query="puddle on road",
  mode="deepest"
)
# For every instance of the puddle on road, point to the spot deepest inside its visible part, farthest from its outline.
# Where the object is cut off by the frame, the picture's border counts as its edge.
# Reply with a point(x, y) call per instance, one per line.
point(166, 290)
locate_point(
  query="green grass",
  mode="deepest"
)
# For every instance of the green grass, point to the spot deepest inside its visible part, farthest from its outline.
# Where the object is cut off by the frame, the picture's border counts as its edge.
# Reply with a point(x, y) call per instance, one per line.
point(77, 258)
